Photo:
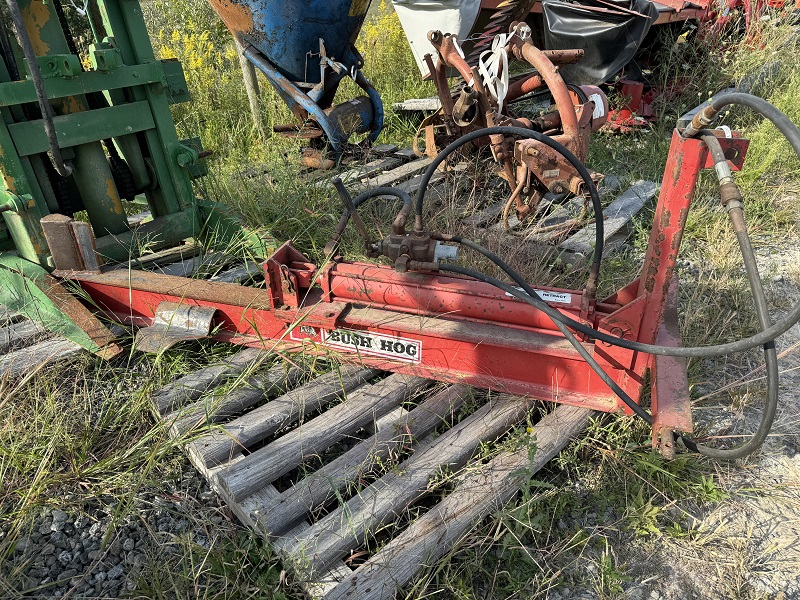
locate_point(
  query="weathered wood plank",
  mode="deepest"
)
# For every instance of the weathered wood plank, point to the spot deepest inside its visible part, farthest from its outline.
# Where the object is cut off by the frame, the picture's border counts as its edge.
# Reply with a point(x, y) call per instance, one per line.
point(418, 105)
point(483, 216)
point(162, 257)
point(8, 316)
point(390, 419)
point(615, 216)
point(384, 501)
point(361, 172)
point(559, 215)
point(412, 185)
point(247, 512)
point(281, 456)
point(383, 149)
point(323, 485)
point(138, 219)
point(403, 172)
point(216, 410)
point(406, 154)
point(434, 534)
point(217, 446)
point(21, 333)
point(190, 387)
point(25, 360)
point(207, 263)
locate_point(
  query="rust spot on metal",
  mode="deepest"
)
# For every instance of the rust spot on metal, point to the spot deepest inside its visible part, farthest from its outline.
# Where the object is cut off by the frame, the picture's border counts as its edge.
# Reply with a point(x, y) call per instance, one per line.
point(36, 15)
point(666, 215)
point(113, 194)
point(237, 17)
point(652, 272)
point(71, 105)
point(676, 172)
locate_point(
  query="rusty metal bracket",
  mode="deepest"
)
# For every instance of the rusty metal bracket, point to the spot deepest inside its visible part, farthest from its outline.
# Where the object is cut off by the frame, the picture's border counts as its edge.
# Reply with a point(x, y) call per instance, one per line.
point(175, 322)
point(670, 400)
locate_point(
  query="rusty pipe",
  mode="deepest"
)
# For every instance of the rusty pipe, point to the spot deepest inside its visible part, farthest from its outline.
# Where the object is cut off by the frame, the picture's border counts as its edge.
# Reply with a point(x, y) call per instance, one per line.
point(399, 223)
point(483, 98)
point(555, 83)
point(442, 87)
point(563, 57)
point(445, 44)
point(701, 120)
point(523, 86)
point(511, 200)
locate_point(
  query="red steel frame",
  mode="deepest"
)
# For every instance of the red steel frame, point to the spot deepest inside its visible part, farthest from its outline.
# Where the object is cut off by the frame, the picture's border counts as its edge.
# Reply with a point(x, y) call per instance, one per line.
point(451, 328)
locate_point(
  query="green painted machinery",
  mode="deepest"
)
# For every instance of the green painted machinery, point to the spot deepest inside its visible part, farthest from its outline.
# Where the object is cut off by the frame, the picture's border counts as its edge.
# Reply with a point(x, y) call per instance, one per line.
point(82, 135)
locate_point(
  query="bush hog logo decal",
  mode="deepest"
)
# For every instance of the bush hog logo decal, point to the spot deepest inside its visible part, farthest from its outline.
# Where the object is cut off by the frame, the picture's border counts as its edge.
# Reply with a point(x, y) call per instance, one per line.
point(363, 342)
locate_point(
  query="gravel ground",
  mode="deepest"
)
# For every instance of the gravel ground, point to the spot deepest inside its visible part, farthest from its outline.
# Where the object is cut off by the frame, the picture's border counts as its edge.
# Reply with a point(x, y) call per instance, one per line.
point(94, 554)
point(746, 546)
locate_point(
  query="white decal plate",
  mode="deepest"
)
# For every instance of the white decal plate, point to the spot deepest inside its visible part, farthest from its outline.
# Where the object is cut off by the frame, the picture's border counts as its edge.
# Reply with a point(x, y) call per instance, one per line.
point(363, 342)
point(599, 108)
point(548, 296)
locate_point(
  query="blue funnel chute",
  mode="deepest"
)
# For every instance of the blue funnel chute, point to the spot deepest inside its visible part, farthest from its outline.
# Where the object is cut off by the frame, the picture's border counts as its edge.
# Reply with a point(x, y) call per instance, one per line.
point(305, 48)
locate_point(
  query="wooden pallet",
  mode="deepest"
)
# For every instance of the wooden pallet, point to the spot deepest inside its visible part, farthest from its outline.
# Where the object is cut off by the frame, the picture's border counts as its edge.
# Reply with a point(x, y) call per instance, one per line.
point(359, 478)
point(330, 469)
point(337, 472)
point(327, 469)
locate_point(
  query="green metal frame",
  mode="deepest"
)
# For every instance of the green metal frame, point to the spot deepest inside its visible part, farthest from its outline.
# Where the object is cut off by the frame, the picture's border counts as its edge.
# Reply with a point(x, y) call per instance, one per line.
point(25, 288)
point(124, 97)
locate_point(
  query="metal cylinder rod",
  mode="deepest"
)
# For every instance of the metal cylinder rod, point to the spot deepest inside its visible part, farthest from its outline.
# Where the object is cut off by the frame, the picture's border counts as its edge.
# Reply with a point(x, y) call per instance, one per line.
point(91, 170)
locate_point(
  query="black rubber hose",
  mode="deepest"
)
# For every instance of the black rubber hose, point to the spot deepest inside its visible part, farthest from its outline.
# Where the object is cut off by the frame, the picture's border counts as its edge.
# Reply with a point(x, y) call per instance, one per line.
point(591, 287)
point(697, 352)
point(736, 214)
point(784, 124)
point(735, 210)
point(399, 223)
point(358, 201)
point(60, 166)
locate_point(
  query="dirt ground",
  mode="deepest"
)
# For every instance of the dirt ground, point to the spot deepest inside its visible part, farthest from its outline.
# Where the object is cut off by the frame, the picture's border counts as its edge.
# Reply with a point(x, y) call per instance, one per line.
point(748, 545)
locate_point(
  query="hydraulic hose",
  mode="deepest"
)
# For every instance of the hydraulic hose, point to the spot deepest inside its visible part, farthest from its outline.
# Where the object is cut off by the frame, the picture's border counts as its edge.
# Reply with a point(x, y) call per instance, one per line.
point(527, 294)
point(399, 223)
point(732, 200)
point(62, 168)
point(784, 125)
point(597, 257)
point(383, 191)
point(379, 192)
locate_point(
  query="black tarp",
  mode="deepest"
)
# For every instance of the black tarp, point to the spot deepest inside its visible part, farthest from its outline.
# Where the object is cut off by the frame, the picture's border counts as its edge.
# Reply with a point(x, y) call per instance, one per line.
point(609, 36)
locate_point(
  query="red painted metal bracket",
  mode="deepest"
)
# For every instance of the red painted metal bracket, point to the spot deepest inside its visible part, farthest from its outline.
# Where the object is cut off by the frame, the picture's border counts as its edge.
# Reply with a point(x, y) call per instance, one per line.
point(672, 410)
